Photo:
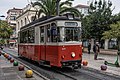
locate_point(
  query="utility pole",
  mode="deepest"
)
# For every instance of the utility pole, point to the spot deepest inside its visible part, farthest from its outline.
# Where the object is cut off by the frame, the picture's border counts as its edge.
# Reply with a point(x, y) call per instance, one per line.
point(57, 7)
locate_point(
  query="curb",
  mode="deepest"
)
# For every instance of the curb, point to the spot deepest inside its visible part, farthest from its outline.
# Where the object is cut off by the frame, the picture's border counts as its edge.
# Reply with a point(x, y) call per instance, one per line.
point(101, 72)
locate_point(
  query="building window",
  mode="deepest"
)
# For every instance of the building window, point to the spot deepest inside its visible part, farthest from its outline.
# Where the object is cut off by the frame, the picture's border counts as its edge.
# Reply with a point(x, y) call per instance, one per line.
point(12, 18)
point(18, 26)
point(32, 18)
point(21, 23)
point(25, 21)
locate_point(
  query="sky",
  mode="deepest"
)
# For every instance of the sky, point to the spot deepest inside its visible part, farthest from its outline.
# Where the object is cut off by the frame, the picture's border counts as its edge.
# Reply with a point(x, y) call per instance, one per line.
point(5, 5)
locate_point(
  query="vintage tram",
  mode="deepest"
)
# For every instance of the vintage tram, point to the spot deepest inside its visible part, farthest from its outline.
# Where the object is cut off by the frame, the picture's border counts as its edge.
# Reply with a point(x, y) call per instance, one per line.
point(53, 40)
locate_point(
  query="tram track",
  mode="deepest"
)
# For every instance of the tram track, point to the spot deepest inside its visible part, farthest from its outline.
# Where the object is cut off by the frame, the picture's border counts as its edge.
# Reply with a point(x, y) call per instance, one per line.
point(37, 69)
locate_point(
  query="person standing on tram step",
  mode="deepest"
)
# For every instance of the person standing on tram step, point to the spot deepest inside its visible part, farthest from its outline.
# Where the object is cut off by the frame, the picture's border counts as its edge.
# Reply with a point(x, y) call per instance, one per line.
point(96, 50)
point(89, 47)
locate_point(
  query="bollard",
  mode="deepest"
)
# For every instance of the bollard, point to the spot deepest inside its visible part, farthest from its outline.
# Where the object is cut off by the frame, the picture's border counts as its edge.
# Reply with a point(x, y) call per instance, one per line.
point(15, 63)
point(29, 73)
point(103, 67)
point(85, 62)
point(11, 60)
point(6, 55)
point(21, 68)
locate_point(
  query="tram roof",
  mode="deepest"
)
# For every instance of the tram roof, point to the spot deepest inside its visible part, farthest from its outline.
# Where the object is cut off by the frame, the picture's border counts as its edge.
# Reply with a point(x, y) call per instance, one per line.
point(47, 19)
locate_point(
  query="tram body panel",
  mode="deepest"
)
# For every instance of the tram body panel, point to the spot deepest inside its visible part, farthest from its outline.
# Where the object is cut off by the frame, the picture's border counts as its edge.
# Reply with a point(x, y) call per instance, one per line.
point(30, 51)
point(52, 55)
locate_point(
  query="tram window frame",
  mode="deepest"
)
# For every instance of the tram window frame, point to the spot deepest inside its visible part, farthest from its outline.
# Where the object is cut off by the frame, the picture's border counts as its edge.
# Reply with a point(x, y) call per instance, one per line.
point(61, 34)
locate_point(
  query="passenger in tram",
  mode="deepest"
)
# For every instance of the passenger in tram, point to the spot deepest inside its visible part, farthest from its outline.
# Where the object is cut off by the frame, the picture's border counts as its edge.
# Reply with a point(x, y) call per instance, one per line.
point(53, 32)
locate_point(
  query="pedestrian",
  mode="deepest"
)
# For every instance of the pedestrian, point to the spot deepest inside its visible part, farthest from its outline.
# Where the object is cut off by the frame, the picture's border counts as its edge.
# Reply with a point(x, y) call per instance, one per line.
point(96, 50)
point(89, 47)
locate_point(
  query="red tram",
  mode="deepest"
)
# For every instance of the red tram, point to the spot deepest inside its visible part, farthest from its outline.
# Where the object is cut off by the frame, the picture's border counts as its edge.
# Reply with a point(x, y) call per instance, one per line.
point(53, 40)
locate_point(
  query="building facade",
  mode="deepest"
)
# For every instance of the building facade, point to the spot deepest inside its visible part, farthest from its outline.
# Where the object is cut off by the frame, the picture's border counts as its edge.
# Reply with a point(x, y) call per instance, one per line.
point(11, 20)
point(27, 16)
point(83, 9)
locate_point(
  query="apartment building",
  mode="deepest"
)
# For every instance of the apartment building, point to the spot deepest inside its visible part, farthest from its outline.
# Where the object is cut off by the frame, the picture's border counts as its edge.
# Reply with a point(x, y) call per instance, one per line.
point(11, 19)
point(83, 9)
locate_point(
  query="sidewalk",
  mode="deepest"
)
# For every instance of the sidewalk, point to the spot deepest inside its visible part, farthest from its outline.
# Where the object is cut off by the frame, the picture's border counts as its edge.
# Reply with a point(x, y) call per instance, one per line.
point(103, 51)
point(96, 64)
point(10, 72)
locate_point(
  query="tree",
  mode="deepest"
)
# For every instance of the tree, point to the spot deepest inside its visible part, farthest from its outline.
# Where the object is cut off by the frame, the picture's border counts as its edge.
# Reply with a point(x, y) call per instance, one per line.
point(114, 32)
point(98, 20)
point(48, 7)
point(5, 30)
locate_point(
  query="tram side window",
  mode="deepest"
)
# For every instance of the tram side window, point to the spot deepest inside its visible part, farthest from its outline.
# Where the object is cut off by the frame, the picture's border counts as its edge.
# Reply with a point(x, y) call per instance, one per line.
point(42, 34)
point(27, 36)
point(31, 36)
point(54, 34)
point(48, 34)
point(23, 37)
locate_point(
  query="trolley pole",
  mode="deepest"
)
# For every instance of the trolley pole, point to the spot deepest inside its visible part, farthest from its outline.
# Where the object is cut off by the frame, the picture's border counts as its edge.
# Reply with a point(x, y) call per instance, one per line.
point(57, 7)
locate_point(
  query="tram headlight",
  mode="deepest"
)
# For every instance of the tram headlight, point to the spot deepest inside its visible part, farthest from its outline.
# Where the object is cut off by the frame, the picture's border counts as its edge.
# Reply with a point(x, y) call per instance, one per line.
point(73, 54)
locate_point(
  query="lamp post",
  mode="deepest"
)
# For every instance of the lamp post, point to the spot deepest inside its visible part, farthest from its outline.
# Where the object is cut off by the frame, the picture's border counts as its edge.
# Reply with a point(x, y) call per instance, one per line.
point(57, 7)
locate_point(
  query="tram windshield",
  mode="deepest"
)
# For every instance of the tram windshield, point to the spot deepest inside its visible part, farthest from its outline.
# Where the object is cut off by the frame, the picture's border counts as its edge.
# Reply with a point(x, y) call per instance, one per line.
point(70, 34)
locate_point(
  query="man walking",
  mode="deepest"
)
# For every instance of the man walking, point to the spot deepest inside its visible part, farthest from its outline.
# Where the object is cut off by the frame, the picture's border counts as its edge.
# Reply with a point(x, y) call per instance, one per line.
point(96, 50)
point(89, 47)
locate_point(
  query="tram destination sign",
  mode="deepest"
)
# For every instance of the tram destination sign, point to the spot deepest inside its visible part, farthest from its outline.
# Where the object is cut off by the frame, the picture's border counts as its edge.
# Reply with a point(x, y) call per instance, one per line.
point(71, 24)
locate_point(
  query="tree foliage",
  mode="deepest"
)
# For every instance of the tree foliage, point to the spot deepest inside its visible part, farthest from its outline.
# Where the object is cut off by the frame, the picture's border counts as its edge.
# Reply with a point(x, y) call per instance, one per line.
point(98, 20)
point(5, 30)
point(48, 7)
point(114, 32)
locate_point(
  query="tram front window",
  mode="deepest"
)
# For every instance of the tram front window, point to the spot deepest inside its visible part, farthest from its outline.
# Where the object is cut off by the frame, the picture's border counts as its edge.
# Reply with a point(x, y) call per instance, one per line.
point(72, 34)
point(65, 34)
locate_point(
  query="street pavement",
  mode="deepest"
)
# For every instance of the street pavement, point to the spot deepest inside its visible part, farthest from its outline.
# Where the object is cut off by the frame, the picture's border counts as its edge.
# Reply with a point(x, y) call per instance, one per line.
point(10, 72)
point(102, 57)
